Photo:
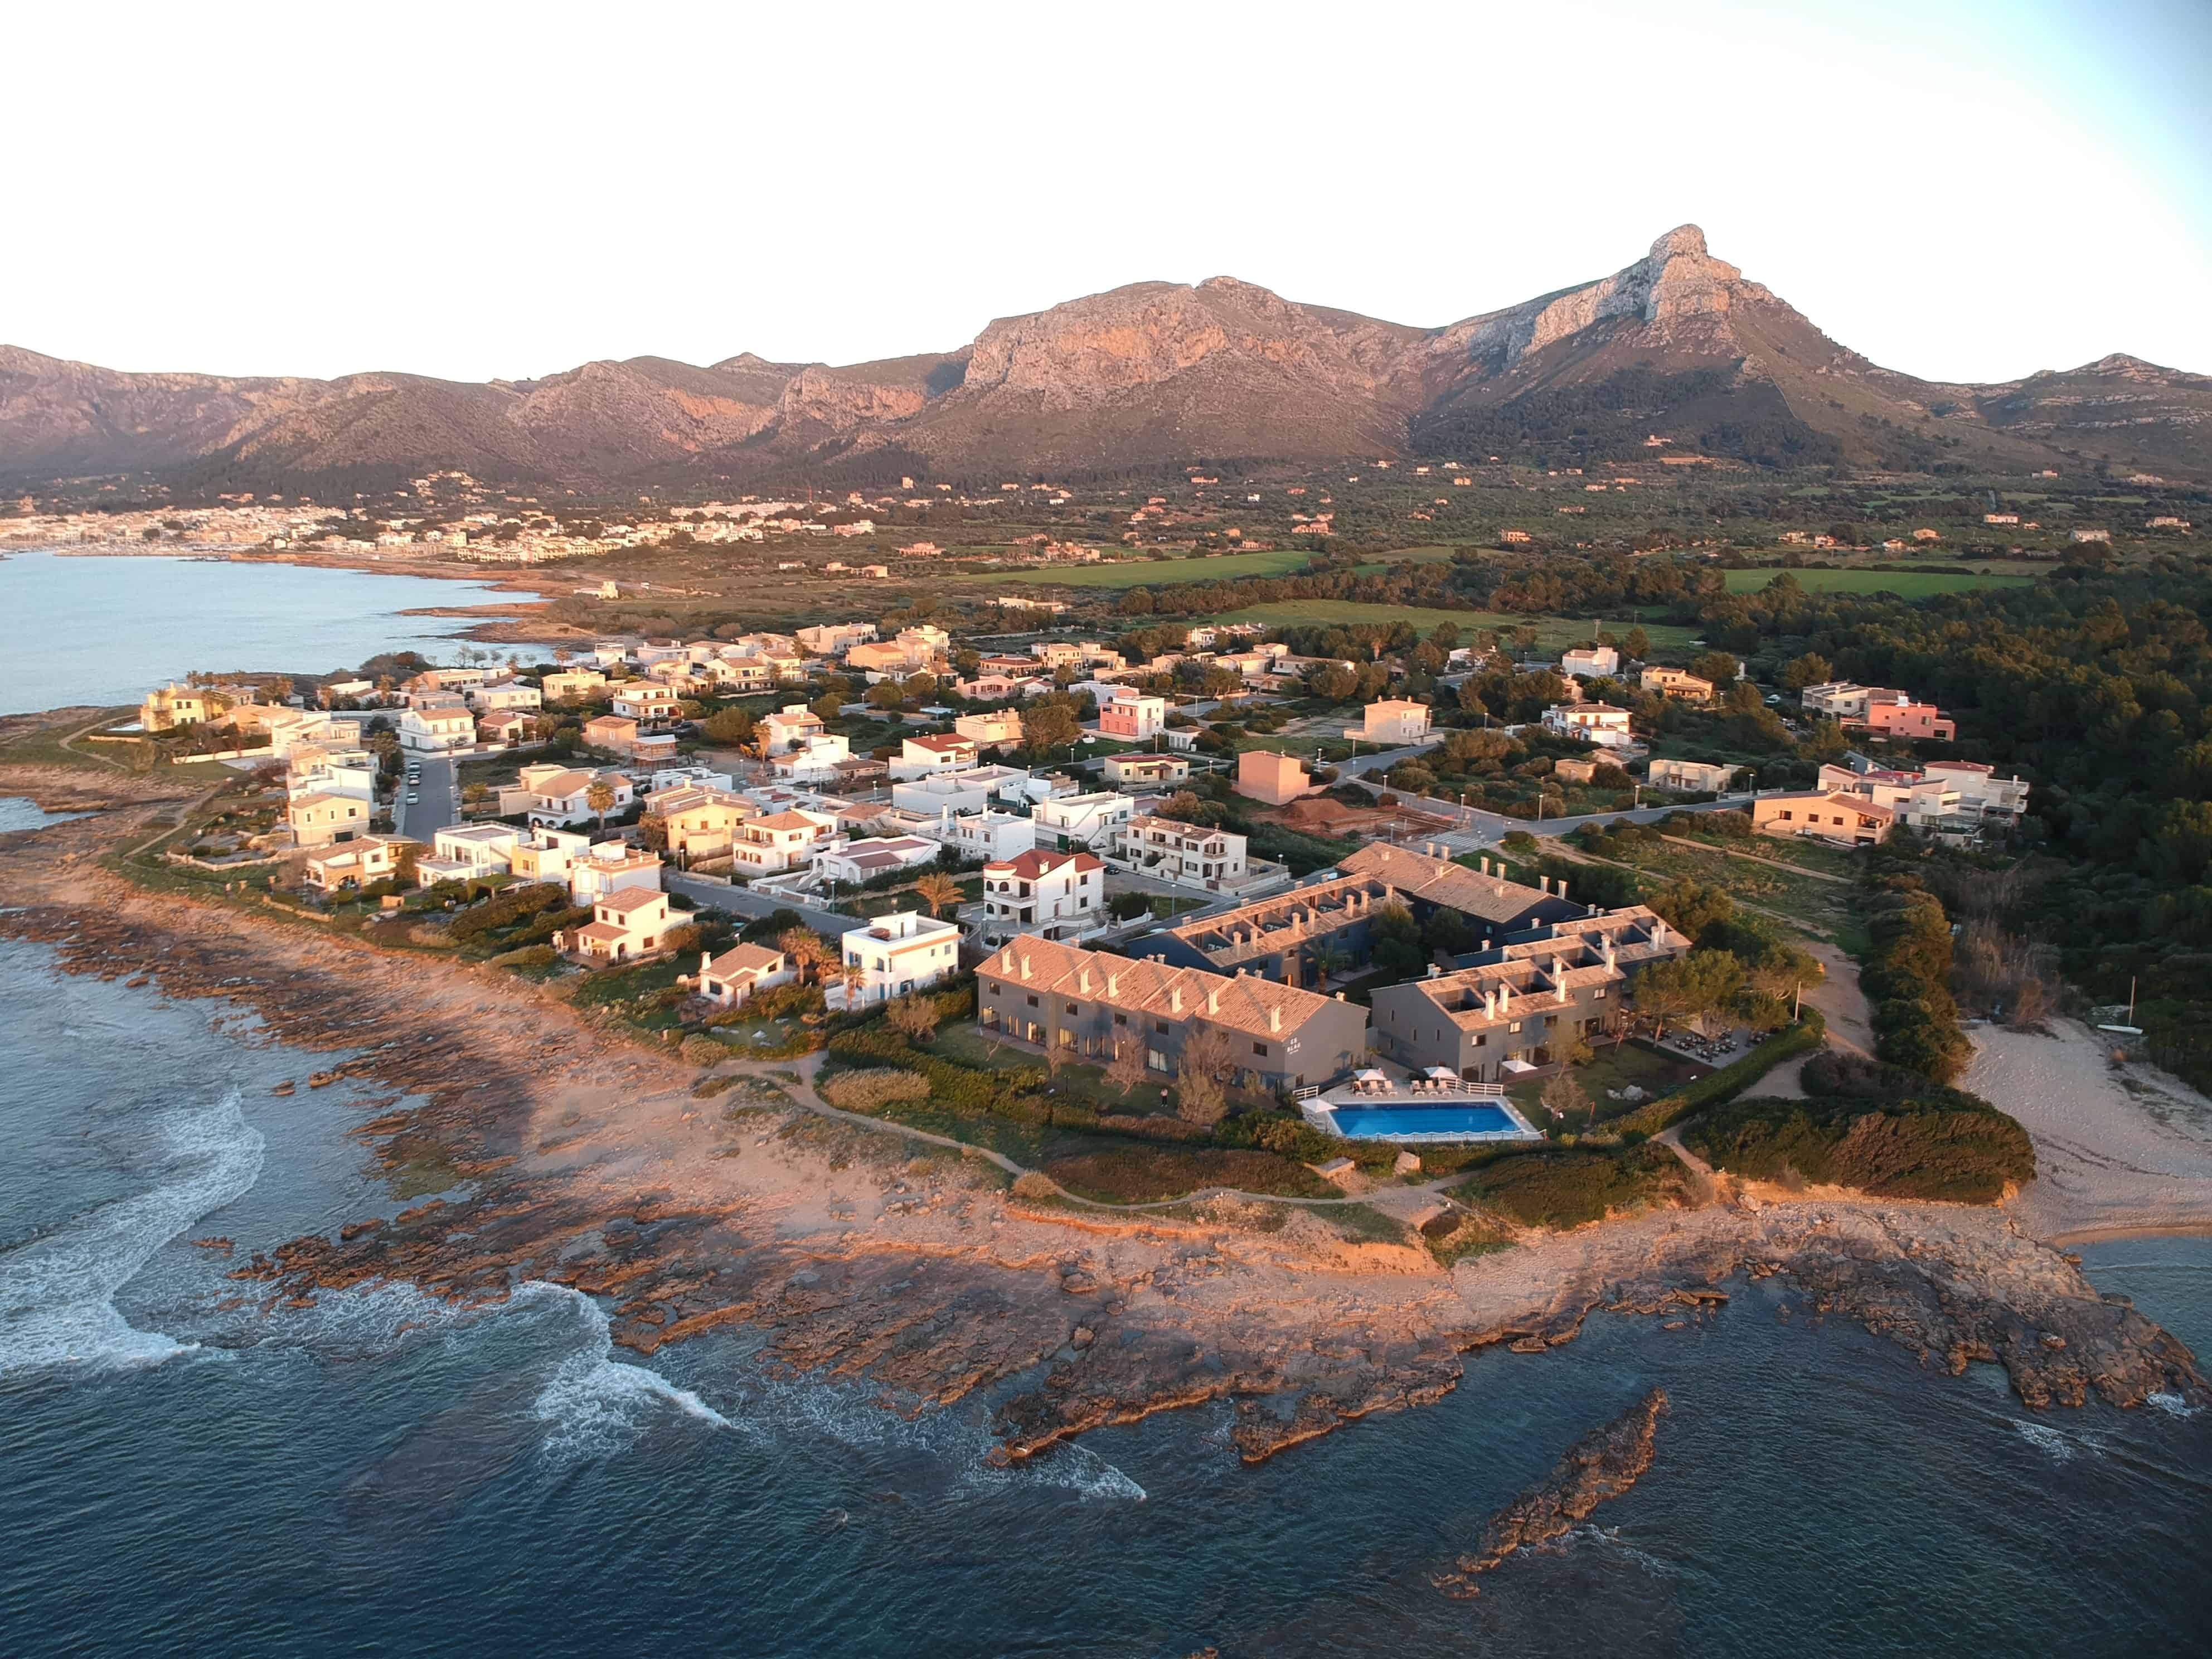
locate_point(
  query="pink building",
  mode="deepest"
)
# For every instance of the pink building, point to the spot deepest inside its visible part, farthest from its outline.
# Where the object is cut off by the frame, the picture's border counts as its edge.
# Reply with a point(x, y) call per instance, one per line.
point(1902, 719)
point(1133, 715)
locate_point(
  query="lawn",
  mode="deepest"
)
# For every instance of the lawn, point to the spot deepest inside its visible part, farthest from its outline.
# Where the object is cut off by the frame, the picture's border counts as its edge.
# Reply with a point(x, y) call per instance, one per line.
point(1905, 584)
point(1617, 1066)
point(1141, 573)
point(1552, 632)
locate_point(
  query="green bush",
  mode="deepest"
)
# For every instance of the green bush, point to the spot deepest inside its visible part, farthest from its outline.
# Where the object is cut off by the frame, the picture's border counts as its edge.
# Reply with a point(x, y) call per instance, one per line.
point(1943, 1144)
point(1566, 1188)
point(1731, 1080)
point(529, 956)
point(703, 1051)
point(870, 1091)
point(503, 909)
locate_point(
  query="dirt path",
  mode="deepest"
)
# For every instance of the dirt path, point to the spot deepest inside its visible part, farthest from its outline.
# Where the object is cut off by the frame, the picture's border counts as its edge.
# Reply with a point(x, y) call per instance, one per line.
point(1754, 858)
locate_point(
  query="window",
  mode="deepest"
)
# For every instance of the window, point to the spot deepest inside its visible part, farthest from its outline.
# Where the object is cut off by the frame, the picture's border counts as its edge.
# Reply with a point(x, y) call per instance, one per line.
point(1515, 1026)
point(1120, 1019)
point(1033, 1003)
point(1598, 995)
point(1071, 1008)
point(1161, 1026)
point(1260, 1049)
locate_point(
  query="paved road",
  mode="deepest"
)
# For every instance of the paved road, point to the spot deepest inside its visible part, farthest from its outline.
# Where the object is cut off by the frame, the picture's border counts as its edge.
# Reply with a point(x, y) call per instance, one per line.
point(439, 805)
point(745, 903)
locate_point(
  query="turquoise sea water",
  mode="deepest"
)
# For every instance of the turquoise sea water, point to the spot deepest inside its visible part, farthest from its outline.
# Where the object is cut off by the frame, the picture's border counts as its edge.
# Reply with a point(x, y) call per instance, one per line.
point(109, 630)
point(183, 1473)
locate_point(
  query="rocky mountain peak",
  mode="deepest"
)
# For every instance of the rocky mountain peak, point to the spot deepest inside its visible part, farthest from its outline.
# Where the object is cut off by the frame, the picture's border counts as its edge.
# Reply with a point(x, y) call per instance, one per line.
point(1683, 239)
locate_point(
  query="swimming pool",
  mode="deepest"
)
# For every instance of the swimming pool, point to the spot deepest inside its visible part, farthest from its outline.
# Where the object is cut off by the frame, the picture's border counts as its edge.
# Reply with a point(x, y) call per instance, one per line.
point(1454, 1123)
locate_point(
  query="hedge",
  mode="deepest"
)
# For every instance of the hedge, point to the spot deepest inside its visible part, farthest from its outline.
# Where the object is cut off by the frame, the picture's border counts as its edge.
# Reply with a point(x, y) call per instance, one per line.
point(1731, 1080)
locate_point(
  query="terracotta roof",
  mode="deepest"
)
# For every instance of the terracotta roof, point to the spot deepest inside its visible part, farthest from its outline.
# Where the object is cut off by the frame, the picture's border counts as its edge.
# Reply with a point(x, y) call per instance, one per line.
point(942, 745)
point(1028, 866)
point(624, 900)
point(1239, 1004)
point(1439, 881)
point(746, 959)
point(786, 821)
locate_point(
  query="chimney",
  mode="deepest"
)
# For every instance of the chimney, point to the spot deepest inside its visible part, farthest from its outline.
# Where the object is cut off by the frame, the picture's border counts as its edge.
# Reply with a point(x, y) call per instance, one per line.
point(1434, 970)
point(1274, 1019)
point(1505, 997)
point(1083, 981)
point(1563, 887)
point(1609, 963)
point(1175, 999)
point(1025, 964)
point(1213, 1002)
point(1113, 984)
point(1340, 996)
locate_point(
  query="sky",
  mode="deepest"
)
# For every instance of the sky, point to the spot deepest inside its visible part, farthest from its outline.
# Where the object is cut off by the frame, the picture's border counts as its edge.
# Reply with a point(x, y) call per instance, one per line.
point(1962, 190)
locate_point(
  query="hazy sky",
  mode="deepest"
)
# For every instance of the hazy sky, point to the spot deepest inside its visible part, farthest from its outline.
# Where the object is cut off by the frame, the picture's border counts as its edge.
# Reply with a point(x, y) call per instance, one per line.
point(1965, 190)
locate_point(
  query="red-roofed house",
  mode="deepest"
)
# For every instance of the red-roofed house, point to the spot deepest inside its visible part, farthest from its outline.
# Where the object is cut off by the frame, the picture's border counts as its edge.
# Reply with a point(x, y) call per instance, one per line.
point(739, 971)
point(1057, 896)
point(626, 923)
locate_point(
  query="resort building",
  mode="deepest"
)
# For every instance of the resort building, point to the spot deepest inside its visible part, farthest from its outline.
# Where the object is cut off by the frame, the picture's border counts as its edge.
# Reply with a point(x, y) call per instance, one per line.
point(900, 953)
point(836, 638)
point(727, 980)
point(1526, 1003)
point(1948, 798)
point(1043, 994)
point(700, 823)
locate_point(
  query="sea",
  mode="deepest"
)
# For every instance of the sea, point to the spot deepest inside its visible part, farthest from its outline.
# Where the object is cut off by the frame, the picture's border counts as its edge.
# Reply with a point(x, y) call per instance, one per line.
point(185, 1470)
point(107, 629)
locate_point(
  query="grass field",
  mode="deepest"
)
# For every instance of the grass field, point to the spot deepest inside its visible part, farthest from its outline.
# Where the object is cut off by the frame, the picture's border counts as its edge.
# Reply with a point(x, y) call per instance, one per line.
point(1407, 556)
point(1143, 572)
point(1552, 632)
point(1905, 584)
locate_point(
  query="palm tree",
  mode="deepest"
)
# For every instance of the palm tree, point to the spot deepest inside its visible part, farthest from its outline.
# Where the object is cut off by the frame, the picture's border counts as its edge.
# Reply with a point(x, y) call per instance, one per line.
point(805, 948)
point(938, 890)
point(1329, 957)
point(600, 798)
point(851, 976)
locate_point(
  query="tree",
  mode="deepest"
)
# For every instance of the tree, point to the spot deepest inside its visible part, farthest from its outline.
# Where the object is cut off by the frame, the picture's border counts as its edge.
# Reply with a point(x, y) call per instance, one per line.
point(731, 726)
point(1564, 1095)
point(1689, 986)
point(938, 890)
point(599, 796)
point(653, 831)
point(1718, 666)
point(1050, 724)
point(1811, 669)
point(886, 694)
point(1128, 1069)
point(1208, 1054)
point(1330, 958)
point(914, 1017)
point(1397, 947)
point(805, 948)
point(1692, 906)
point(827, 707)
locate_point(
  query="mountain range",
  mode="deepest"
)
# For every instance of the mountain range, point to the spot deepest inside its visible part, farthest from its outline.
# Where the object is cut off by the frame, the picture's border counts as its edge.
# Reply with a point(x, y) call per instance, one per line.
point(1678, 345)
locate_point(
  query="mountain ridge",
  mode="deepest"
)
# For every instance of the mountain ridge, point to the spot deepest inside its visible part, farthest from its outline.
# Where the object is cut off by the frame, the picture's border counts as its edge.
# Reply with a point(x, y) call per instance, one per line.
point(1678, 343)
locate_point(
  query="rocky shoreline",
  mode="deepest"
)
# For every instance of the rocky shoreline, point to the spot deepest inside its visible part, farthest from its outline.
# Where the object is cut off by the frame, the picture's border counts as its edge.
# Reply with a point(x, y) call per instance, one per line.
point(582, 1158)
point(1600, 1466)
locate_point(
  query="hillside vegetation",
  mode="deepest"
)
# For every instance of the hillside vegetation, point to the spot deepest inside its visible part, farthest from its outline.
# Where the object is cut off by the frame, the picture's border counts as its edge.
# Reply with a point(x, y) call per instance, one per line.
point(1877, 1128)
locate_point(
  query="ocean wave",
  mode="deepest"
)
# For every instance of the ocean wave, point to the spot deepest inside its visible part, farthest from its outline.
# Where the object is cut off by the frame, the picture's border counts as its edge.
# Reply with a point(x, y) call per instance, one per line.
point(594, 1406)
point(2058, 1445)
point(2173, 1405)
point(58, 1292)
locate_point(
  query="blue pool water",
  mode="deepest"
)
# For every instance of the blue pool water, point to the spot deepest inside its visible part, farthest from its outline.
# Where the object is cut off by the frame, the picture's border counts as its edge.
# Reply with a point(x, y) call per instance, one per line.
point(1355, 1121)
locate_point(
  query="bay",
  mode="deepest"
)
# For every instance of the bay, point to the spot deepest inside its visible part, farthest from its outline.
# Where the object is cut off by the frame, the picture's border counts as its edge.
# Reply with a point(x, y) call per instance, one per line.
point(106, 629)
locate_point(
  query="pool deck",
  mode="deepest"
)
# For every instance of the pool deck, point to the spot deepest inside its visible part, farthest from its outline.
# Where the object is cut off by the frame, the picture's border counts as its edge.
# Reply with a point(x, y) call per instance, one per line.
point(1321, 1112)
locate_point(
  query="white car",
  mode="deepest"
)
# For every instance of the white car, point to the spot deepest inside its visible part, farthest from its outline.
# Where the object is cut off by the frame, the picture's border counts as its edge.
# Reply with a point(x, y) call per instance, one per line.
point(414, 799)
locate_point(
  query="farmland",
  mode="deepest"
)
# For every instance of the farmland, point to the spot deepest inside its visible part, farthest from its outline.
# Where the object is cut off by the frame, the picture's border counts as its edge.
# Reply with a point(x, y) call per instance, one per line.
point(1905, 584)
point(1144, 573)
point(1552, 632)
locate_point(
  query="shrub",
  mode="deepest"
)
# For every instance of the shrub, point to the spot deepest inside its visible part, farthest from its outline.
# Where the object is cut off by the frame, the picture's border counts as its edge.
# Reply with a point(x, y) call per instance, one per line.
point(1032, 1185)
point(1726, 1084)
point(871, 1091)
point(703, 1051)
point(1943, 1144)
point(1564, 1188)
point(502, 908)
point(529, 956)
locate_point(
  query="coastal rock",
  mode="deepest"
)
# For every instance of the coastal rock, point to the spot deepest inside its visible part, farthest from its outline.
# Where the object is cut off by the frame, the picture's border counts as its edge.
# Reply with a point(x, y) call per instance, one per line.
point(1600, 1466)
